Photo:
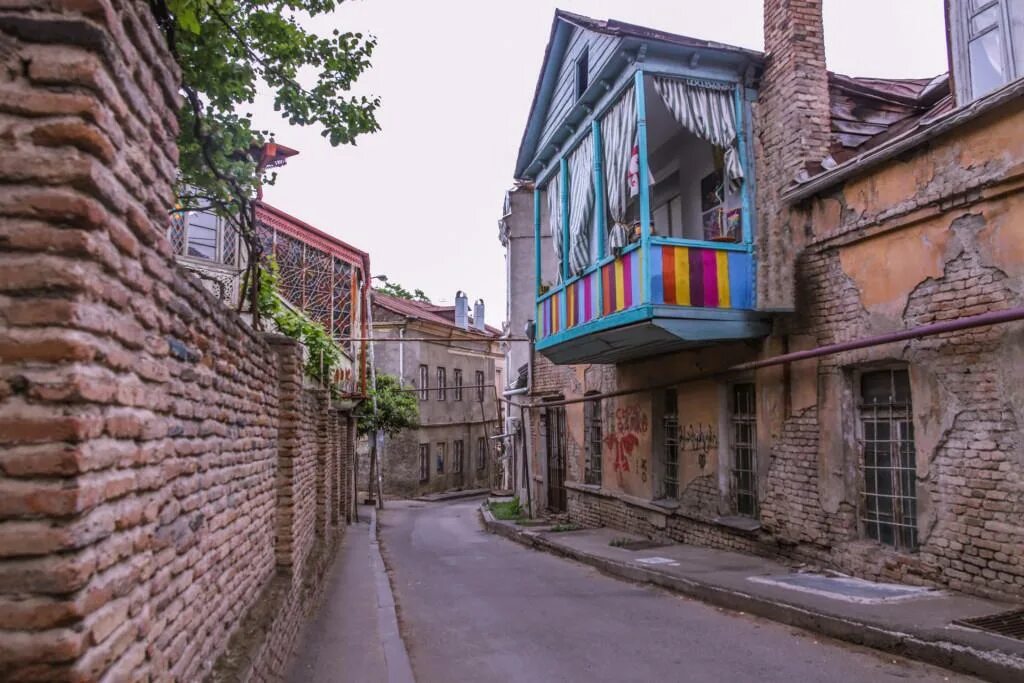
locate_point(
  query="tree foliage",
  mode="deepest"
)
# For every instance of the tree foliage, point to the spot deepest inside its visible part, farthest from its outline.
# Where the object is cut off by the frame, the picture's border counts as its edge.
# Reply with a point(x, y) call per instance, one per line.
point(397, 290)
point(394, 411)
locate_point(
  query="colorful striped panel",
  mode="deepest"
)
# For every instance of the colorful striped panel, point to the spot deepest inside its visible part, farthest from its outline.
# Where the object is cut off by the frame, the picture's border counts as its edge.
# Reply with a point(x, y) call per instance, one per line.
point(688, 276)
point(620, 282)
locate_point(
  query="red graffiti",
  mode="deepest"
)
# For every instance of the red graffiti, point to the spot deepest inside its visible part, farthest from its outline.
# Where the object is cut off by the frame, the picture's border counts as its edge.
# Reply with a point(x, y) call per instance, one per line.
point(623, 446)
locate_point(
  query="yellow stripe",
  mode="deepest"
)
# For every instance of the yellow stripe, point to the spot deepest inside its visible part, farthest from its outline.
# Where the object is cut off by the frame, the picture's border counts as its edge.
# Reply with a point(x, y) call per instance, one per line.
point(682, 257)
point(571, 305)
point(620, 286)
point(722, 259)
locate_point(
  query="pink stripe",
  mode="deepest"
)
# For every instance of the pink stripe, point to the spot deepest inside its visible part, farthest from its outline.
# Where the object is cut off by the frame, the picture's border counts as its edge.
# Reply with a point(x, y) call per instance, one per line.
point(587, 299)
point(627, 279)
point(710, 278)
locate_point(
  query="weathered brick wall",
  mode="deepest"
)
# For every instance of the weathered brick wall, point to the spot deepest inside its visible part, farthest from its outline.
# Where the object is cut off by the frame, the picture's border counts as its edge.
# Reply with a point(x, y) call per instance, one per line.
point(144, 433)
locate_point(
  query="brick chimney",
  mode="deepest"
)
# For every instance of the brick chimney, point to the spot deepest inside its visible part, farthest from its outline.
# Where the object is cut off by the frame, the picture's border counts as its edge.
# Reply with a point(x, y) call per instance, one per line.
point(792, 132)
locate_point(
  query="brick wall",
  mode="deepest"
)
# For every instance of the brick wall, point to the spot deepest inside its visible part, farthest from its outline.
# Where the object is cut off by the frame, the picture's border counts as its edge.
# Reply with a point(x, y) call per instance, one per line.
point(152, 446)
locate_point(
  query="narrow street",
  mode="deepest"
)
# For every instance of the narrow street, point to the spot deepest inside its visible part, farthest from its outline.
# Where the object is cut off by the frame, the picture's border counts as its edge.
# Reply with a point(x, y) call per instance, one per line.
point(476, 607)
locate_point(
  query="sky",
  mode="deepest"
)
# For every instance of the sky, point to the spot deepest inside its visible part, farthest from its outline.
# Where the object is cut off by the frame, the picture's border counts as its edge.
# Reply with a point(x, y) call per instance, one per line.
point(456, 79)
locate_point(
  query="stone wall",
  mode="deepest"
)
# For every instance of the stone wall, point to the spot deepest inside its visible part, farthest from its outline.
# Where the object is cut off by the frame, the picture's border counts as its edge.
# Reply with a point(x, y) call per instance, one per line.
point(158, 458)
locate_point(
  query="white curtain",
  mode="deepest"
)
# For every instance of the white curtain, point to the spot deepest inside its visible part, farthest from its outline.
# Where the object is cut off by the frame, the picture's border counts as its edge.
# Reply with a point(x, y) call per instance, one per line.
point(706, 110)
point(581, 204)
point(618, 130)
point(555, 222)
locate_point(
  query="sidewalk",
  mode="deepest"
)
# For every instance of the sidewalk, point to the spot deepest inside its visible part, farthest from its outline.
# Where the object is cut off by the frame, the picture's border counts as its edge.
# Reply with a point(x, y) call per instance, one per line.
point(907, 621)
point(354, 635)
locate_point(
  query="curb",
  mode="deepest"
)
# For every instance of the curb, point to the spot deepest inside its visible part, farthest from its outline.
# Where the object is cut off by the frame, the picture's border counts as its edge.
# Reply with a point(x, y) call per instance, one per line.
point(999, 667)
point(396, 656)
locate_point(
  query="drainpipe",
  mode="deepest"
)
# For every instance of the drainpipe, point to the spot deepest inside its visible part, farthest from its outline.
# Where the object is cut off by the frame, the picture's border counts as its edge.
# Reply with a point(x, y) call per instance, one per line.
point(401, 357)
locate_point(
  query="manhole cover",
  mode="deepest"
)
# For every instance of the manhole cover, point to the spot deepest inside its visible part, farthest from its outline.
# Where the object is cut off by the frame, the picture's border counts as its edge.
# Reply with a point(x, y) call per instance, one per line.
point(642, 545)
point(1010, 624)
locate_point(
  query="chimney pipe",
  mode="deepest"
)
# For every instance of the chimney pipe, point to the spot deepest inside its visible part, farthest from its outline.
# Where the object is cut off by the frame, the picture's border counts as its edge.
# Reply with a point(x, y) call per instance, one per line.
point(478, 316)
point(461, 310)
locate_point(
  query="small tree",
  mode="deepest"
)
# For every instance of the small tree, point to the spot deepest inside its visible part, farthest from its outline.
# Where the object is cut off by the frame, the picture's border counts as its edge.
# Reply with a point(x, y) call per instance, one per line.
point(387, 410)
point(397, 290)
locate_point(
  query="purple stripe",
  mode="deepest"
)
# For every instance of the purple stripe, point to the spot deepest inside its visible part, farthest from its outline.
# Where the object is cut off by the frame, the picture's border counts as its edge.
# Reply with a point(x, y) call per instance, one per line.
point(696, 278)
point(710, 278)
point(627, 280)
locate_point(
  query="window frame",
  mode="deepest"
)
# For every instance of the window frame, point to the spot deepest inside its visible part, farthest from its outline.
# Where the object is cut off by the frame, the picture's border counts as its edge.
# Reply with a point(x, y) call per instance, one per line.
point(581, 72)
point(441, 455)
point(904, 527)
point(670, 445)
point(457, 380)
point(962, 36)
point(458, 454)
point(481, 377)
point(481, 452)
point(593, 434)
point(424, 462)
point(442, 383)
point(736, 419)
point(424, 382)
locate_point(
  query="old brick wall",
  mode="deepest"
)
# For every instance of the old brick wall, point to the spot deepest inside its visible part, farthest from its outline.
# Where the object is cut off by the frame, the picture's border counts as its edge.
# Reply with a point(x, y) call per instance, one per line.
point(149, 454)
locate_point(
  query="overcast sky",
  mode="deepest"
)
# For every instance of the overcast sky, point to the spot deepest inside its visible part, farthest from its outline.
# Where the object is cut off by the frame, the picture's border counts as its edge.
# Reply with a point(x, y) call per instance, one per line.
point(456, 78)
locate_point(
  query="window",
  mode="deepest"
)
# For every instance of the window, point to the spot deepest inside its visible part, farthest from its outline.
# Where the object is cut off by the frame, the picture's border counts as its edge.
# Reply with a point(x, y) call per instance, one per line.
point(441, 454)
point(457, 455)
point(479, 386)
point(424, 462)
point(889, 494)
point(593, 437)
point(442, 384)
point(481, 452)
point(202, 235)
point(670, 430)
point(582, 72)
point(424, 383)
point(457, 378)
point(743, 425)
point(988, 45)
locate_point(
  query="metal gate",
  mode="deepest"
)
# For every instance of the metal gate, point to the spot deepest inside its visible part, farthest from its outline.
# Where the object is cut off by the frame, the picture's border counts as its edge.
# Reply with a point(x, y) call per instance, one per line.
point(555, 429)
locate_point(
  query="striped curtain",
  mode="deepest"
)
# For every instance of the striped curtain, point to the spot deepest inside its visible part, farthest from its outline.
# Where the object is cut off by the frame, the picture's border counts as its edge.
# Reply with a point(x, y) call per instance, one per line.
point(618, 130)
point(581, 204)
point(555, 222)
point(706, 110)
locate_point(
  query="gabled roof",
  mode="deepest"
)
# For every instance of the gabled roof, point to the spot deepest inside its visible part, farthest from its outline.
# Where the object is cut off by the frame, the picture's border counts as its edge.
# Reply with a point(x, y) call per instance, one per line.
point(561, 28)
point(427, 313)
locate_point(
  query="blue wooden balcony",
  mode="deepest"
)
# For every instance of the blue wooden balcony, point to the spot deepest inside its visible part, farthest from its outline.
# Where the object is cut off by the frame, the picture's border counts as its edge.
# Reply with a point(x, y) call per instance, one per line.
point(688, 294)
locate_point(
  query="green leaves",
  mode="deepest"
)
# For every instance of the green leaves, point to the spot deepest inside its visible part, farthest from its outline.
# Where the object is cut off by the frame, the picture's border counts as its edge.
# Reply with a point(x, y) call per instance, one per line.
point(391, 412)
point(229, 50)
point(394, 289)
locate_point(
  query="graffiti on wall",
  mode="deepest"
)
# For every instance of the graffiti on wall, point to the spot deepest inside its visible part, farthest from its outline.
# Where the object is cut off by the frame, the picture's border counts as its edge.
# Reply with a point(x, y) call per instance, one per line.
point(630, 422)
point(698, 439)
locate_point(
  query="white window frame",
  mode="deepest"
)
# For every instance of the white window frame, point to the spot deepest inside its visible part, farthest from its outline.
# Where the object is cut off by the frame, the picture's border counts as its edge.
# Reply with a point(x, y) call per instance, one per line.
point(961, 13)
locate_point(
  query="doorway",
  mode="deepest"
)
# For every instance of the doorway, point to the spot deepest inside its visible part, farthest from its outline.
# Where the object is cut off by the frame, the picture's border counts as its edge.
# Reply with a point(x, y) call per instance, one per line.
point(555, 431)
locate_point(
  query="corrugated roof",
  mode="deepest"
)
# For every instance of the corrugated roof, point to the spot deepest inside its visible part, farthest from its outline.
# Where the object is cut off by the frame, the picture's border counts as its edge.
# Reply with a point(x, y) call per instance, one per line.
point(426, 312)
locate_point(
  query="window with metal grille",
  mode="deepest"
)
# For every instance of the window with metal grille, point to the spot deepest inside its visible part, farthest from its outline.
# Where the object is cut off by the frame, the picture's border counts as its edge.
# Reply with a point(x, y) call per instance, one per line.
point(479, 386)
point(743, 424)
point(441, 455)
point(424, 383)
point(593, 436)
point(457, 379)
point(888, 468)
point(457, 455)
point(481, 453)
point(670, 434)
point(424, 462)
point(442, 384)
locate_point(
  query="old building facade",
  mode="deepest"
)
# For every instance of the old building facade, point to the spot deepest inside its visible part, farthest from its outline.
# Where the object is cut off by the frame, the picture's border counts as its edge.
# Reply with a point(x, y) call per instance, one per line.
point(757, 206)
point(453, 364)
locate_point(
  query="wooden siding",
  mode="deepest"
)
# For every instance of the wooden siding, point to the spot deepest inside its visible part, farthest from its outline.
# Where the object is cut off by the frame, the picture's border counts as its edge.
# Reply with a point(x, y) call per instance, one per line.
point(602, 47)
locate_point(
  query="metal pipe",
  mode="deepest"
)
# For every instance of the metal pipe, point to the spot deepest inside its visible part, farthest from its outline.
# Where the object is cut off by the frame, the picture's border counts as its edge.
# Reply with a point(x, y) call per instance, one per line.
point(931, 329)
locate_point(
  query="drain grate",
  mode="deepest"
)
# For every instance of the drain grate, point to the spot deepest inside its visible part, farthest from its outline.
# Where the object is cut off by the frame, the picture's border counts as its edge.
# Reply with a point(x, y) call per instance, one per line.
point(642, 545)
point(1010, 624)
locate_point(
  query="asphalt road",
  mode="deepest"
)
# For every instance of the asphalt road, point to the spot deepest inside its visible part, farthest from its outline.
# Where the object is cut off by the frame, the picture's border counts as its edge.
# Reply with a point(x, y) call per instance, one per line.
point(475, 607)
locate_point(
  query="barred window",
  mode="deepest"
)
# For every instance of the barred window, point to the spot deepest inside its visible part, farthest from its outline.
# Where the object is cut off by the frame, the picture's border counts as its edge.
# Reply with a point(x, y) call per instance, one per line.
point(457, 379)
point(743, 425)
point(424, 383)
point(670, 431)
point(442, 384)
point(457, 454)
point(593, 436)
point(888, 467)
point(481, 453)
point(424, 462)
point(479, 385)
